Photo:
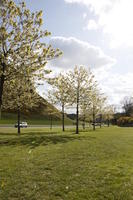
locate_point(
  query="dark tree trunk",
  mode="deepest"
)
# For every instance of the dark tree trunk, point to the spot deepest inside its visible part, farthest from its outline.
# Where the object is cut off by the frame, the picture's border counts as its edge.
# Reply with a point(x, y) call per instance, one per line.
point(77, 119)
point(108, 122)
point(63, 118)
point(101, 121)
point(0, 111)
point(2, 79)
point(84, 123)
point(94, 128)
point(51, 123)
point(19, 121)
point(77, 114)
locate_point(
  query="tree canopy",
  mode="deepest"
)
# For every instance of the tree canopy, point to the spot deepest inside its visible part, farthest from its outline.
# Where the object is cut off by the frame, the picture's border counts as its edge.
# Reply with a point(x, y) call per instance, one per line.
point(23, 51)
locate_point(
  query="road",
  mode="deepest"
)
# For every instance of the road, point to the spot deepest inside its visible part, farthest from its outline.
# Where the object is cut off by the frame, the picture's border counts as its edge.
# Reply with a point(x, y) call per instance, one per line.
point(37, 126)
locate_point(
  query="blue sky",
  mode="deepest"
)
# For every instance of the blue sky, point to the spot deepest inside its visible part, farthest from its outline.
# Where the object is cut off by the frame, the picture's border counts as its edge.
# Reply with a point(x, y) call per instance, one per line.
point(95, 33)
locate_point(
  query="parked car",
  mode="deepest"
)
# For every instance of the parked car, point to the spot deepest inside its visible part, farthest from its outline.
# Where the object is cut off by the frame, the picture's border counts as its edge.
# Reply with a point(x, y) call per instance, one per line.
point(22, 125)
point(96, 124)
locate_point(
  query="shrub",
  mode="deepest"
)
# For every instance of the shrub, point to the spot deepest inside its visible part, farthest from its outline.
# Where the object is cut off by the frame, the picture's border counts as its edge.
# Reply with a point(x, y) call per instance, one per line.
point(125, 121)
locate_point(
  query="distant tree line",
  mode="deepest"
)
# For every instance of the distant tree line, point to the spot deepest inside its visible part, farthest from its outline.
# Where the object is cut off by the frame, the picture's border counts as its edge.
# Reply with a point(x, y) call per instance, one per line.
point(125, 117)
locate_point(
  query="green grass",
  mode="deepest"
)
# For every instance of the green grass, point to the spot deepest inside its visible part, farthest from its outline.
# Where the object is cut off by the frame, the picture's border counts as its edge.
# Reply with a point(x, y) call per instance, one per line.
point(44, 165)
point(11, 118)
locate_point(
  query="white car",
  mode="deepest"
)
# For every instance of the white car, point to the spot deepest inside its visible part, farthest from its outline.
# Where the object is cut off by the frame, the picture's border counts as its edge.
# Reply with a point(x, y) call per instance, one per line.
point(22, 125)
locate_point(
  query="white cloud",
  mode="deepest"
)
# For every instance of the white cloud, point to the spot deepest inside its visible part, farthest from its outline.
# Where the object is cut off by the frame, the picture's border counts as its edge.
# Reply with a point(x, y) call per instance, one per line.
point(77, 52)
point(95, 5)
point(92, 25)
point(84, 15)
point(115, 86)
point(115, 17)
point(118, 23)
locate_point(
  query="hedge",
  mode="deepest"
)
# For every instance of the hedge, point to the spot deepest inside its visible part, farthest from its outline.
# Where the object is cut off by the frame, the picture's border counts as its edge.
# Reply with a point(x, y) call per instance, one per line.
point(125, 121)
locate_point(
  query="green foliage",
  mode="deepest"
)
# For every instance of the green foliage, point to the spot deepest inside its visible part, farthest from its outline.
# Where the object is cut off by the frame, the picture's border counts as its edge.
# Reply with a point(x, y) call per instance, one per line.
point(81, 84)
point(42, 109)
point(20, 93)
point(22, 54)
point(59, 93)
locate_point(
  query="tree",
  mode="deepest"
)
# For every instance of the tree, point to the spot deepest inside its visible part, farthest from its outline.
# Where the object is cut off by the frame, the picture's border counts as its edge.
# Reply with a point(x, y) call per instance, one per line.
point(102, 104)
point(127, 105)
point(108, 113)
point(21, 51)
point(22, 97)
point(52, 111)
point(84, 106)
point(80, 82)
point(83, 113)
point(97, 102)
point(59, 94)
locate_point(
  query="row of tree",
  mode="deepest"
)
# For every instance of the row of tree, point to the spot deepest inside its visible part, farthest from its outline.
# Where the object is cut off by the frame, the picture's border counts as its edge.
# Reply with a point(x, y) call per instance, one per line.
point(79, 89)
point(23, 57)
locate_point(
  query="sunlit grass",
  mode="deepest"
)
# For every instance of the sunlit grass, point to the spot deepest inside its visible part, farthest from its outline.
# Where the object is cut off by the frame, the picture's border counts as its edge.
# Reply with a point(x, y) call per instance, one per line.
point(11, 118)
point(41, 164)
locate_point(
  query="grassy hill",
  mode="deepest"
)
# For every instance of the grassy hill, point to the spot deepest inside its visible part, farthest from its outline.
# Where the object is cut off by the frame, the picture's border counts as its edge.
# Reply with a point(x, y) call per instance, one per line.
point(41, 114)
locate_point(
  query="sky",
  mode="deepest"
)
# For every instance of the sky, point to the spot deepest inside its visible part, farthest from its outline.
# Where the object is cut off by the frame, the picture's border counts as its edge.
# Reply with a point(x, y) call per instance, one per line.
point(97, 34)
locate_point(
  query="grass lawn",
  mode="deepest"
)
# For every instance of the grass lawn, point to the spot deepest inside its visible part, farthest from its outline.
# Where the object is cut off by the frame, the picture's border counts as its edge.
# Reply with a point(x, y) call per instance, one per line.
point(11, 118)
point(44, 165)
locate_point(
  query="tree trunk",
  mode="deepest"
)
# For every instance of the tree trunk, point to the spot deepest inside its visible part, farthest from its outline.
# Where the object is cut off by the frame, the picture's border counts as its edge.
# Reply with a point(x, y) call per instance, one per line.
point(0, 111)
point(94, 128)
point(108, 122)
point(84, 123)
point(77, 114)
point(18, 121)
point(101, 121)
point(77, 119)
point(63, 118)
point(51, 123)
point(1, 92)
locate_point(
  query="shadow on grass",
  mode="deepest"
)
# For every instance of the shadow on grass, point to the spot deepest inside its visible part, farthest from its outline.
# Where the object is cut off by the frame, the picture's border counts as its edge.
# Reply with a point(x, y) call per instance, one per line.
point(34, 141)
point(39, 133)
point(28, 133)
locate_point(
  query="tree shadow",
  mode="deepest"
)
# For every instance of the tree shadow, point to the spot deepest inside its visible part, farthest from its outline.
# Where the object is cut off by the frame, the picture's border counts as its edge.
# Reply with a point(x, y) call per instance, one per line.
point(29, 133)
point(34, 141)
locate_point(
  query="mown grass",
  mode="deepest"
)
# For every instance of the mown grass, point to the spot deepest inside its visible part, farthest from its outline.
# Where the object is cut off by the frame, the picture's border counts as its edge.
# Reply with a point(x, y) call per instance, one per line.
point(11, 118)
point(45, 165)
point(35, 121)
